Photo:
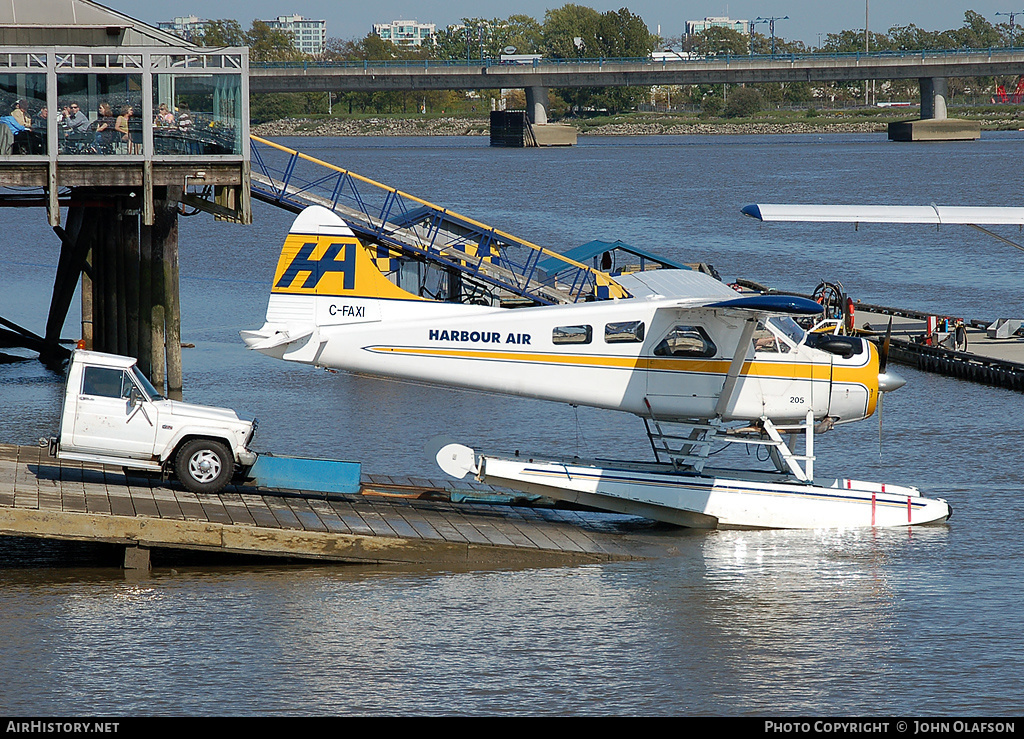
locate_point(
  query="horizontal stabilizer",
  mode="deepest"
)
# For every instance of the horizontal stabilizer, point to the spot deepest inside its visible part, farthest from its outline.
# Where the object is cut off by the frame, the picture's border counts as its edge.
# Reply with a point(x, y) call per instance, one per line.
point(934, 214)
point(262, 342)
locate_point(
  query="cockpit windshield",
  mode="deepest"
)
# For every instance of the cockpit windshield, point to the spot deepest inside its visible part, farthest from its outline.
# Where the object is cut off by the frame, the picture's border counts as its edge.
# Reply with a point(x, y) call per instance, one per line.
point(789, 328)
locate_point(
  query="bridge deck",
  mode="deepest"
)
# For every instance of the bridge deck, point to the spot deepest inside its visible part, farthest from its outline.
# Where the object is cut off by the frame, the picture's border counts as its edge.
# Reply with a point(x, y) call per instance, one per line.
point(42, 497)
point(489, 74)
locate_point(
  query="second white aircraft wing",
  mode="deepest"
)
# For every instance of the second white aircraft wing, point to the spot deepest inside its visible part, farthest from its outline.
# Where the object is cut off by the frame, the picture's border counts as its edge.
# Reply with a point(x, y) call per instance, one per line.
point(937, 214)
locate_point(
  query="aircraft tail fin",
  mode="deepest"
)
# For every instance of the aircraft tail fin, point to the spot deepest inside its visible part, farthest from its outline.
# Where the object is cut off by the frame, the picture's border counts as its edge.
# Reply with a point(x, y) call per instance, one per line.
point(325, 276)
point(321, 256)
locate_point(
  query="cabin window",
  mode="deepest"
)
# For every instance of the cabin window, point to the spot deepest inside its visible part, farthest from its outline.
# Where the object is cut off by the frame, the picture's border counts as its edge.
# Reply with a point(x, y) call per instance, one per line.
point(106, 382)
point(686, 341)
point(624, 332)
point(572, 335)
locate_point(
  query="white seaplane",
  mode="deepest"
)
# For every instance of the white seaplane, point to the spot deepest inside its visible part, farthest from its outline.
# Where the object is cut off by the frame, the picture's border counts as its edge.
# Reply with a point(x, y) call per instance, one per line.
point(701, 364)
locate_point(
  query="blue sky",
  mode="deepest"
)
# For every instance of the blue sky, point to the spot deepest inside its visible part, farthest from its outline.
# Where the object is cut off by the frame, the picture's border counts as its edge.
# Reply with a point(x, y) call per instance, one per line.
point(807, 18)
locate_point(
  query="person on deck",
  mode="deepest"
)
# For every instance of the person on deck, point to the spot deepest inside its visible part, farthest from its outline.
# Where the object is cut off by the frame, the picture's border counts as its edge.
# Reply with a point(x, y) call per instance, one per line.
point(105, 133)
point(184, 119)
point(78, 122)
point(121, 126)
point(21, 115)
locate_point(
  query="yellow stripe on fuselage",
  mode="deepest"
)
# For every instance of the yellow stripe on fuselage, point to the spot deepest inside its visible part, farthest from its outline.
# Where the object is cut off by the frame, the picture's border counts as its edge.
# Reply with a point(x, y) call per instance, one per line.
point(759, 369)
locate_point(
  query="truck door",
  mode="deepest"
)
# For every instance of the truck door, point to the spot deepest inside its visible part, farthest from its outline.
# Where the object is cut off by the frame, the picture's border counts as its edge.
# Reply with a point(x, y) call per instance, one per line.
point(107, 421)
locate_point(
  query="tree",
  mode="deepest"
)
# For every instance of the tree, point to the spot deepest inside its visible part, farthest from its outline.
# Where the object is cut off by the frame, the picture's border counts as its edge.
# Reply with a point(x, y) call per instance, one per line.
point(570, 32)
point(743, 103)
point(977, 33)
point(481, 38)
point(719, 40)
point(623, 35)
point(268, 44)
point(578, 32)
point(222, 32)
point(520, 31)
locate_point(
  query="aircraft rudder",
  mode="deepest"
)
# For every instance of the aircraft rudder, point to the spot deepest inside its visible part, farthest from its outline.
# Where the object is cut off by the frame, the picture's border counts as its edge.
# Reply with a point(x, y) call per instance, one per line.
point(322, 256)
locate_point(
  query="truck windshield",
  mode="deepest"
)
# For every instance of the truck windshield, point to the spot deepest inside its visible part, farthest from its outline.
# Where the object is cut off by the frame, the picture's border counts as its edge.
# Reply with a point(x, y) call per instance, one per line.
point(147, 386)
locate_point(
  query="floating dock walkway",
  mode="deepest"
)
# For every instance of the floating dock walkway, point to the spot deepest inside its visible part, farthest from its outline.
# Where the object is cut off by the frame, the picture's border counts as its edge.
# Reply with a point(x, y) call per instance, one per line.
point(72, 501)
point(920, 340)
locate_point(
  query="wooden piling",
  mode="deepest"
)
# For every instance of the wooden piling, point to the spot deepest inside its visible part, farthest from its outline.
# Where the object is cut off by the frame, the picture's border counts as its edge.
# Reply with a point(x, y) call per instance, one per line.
point(74, 238)
point(172, 302)
point(145, 349)
point(130, 245)
point(111, 316)
point(88, 341)
point(130, 302)
point(117, 247)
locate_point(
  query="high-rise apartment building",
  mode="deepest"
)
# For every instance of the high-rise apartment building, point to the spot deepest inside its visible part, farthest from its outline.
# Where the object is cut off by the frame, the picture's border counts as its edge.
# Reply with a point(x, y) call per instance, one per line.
point(694, 27)
point(189, 27)
point(309, 36)
point(405, 33)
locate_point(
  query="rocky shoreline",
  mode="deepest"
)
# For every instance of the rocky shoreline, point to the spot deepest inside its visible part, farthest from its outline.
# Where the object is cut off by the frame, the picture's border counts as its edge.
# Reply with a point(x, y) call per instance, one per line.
point(480, 127)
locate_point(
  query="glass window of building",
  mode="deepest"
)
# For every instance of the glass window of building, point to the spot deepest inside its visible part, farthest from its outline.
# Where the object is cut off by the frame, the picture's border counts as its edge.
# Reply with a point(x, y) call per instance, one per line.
point(99, 114)
point(23, 114)
point(197, 114)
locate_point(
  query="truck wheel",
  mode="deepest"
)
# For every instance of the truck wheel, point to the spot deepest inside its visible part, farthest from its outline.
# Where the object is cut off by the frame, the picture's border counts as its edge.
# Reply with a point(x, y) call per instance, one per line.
point(204, 465)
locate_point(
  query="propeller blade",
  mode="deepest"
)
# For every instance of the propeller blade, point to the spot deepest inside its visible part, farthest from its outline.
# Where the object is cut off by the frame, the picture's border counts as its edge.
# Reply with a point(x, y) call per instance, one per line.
point(887, 381)
point(883, 355)
point(880, 396)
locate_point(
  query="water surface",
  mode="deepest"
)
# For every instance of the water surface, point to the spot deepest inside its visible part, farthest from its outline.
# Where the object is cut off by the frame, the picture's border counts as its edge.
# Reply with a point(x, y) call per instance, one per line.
point(919, 622)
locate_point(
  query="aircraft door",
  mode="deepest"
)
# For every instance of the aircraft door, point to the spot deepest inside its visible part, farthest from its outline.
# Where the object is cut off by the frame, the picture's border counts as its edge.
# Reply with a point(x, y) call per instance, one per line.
point(684, 378)
point(787, 382)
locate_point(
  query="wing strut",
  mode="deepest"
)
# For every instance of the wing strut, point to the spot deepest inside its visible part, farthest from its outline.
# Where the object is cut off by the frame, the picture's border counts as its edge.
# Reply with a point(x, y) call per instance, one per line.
point(739, 356)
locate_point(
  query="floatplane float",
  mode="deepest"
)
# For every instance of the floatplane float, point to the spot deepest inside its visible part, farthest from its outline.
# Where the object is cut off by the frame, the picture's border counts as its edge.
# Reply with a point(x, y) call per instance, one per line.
point(702, 365)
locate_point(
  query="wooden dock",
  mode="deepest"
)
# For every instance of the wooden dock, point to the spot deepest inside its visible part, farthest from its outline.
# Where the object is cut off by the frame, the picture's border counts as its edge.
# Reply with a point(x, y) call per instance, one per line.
point(43, 497)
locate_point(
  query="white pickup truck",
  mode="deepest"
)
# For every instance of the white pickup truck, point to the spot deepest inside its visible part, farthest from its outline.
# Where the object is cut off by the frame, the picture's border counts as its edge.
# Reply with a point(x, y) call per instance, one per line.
point(113, 415)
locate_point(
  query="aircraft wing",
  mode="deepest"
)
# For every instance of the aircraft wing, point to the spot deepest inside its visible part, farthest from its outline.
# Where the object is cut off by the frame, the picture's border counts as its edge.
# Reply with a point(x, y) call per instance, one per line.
point(691, 289)
point(937, 214)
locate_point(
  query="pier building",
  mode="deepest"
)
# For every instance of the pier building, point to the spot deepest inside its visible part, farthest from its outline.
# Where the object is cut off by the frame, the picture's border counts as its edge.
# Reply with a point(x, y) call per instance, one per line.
point(109, 126)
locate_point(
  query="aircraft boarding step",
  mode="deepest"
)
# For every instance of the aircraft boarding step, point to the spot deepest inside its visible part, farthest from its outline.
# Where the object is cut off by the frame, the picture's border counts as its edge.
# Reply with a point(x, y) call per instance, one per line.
point(689, 444)
point(291, 180)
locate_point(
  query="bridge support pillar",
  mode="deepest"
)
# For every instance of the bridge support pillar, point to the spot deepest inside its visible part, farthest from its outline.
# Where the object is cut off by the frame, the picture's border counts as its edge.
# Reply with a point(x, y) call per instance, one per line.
point(934, 91)
point(540, 132)
point(537, 105)
point(934, 125)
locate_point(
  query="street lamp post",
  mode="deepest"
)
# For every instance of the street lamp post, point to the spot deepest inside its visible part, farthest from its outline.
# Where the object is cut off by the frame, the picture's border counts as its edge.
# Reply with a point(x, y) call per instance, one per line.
point(771, 26)
point(1013, 34)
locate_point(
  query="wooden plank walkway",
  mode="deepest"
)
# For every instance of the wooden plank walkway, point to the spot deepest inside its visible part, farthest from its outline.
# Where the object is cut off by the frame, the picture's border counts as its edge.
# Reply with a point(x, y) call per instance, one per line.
point(43, 497)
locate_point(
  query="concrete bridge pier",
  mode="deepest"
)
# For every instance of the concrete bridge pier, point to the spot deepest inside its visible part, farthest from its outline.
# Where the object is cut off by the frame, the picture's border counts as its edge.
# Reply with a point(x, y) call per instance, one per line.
point(544, 133)
point(934, 125)
point(934, 91)
point(537, 105)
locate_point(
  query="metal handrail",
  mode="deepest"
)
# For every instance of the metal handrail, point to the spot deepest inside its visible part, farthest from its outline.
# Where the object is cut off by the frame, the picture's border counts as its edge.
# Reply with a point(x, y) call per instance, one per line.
point(381, 208)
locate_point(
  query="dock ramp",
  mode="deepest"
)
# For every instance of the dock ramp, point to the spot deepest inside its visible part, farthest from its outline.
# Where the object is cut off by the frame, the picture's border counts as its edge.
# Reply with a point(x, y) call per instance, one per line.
point(412, 227)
